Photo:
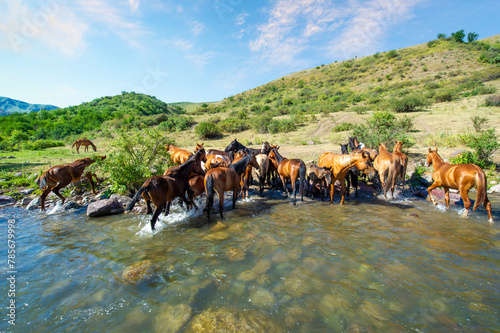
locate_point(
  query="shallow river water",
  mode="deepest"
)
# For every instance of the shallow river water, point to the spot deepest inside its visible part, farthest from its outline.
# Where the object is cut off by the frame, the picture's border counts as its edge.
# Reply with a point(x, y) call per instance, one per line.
point(369, 265)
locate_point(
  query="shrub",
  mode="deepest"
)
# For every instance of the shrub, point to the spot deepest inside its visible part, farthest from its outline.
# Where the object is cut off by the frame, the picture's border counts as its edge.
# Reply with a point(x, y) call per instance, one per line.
point(484, 142)
point(281, 126)
point(458, 36)
point(492, 101)
point(233, 125)
point(472, 37)
point(261, 123)
point(465, 158)
point(391, 54)
point(408, 103)
point(176, 123)
point(441, 36)
point(207, 130)
point(360, 109)
point(444, 96)
point(135, 156)
point(431, 43)
point(42, 144)
point(384, 127)
point(480, 91)
point(343, 127)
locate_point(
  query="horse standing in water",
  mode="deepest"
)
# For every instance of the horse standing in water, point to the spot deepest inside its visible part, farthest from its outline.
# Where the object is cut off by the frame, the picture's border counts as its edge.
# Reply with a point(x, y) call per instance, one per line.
point(340, 165)
point(221, 179)
point(403, 161)
point(462, 177)
point(352, 174)
point(321, 176)
point(289, 169)
point(387, 164)
point(162, 190)
point(60, 176)
point(177, 154)
point(83, 142)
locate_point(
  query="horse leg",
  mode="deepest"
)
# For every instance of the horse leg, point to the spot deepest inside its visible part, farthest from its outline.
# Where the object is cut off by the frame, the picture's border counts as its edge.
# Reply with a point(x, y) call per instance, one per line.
point(235, 197)
point(221, 202)
point(355, 183)
point(88, 175)
point(42, 198)
point(342, 187)
point(56, 191)
point(284, 185)
point(348, 181)
point(465, 198)
point(293, 189)
point(429, 190)
point(487, 205)
point(447, 197)
point(158, 210)
point(332, 191)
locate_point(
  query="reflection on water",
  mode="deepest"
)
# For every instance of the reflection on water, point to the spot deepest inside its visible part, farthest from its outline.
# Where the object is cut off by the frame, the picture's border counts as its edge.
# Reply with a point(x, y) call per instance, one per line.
point(369, 265)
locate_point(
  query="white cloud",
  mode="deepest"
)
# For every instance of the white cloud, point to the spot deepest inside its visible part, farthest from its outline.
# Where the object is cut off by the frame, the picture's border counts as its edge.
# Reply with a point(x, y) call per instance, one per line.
point(197, 28)
point(241, 19)
point(365, 30)
point(134, 5)
point(294, 26)
point(51, 23)
point(179, 44)
point(201, 60)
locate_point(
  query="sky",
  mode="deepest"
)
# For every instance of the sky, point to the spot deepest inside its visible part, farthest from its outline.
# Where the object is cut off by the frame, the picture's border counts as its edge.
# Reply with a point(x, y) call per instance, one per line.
point(64, 52)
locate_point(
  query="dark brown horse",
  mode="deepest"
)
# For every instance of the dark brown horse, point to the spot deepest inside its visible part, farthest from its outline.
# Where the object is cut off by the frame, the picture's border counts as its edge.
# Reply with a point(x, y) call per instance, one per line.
point(223, 179)
point(162, 190)
point(289, 169)
point(340, 164)
point(352, 175)
point(462, 177)
point(60, 176)
point(321, 176)
point(83, 142)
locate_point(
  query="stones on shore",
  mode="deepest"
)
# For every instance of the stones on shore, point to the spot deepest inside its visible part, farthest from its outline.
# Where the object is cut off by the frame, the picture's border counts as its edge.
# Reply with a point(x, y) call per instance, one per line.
point(104, 208)
point(6, 200)
point(495, 189)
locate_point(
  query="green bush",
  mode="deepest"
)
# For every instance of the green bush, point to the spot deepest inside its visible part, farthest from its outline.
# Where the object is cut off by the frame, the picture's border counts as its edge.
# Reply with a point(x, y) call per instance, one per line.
point(465, 158)
point(445, 95)
point(480, 91)
point(458, 36)
point(260, 124)
point(134, 157)
point(484, 143)
point(391, 54)
point(207, 130)
point(492, 101)
point(42, 144)
point(343, 127)
point(176, 123)
point(384, 127)
point(408, 103)
point(281, 126)
point(233, 125)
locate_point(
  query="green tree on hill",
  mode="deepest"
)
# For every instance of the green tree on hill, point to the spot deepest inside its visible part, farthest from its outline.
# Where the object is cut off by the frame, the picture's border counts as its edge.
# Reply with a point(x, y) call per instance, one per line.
point(458, 36)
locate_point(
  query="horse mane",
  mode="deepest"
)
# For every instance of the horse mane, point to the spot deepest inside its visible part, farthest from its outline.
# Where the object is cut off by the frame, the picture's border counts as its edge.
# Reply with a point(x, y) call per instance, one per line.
point(242, 164)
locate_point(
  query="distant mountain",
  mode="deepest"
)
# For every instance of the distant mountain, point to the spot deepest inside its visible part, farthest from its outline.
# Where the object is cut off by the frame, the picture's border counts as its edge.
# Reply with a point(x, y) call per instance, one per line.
point(9, 105)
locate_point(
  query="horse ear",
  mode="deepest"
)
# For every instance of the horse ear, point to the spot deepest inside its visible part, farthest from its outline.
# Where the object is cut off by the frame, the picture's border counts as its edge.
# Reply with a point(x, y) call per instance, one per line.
point(436, 149)
point(278, 147)
point(430, 150)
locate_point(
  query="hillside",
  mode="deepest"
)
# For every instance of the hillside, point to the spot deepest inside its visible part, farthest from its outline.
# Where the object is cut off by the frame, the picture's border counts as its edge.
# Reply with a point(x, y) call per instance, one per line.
point(9, 105)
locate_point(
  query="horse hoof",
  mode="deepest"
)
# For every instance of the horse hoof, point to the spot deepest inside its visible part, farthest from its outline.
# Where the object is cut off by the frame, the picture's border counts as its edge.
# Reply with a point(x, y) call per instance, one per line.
point(491, 221)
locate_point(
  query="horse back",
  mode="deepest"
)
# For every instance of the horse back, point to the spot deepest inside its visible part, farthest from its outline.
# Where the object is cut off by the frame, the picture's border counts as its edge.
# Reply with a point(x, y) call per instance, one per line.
point(223, 178)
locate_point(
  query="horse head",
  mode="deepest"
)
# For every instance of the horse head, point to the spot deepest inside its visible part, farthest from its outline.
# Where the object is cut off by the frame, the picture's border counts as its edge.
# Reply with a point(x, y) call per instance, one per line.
point(364, 164)
point(343, 149)
point(398, 146)
point(253, 161)
point(234, 146)
point(200, 156)
point(198, 146)
point(431, 155)
point(266, 147)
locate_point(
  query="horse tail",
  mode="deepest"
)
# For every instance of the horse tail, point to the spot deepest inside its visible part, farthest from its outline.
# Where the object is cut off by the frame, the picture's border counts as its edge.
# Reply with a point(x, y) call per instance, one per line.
point(136, 197)
point(481, 188)
point(391, 178)
point(302, 174)
point(74, 143)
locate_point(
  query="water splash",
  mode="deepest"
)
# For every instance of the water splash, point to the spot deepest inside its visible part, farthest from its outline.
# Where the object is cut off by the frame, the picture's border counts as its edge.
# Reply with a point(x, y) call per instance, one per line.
point(58, 208)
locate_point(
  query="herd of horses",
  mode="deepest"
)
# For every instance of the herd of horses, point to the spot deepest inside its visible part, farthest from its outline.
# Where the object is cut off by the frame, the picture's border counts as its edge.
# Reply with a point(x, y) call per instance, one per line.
point(214, 171)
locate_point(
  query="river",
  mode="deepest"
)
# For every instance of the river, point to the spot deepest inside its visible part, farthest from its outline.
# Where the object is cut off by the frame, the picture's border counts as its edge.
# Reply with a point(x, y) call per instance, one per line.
point(369, 265)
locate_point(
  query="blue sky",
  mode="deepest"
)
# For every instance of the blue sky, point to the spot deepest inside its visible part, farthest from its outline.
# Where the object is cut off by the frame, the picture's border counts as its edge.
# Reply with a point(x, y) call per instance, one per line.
point(66, 52)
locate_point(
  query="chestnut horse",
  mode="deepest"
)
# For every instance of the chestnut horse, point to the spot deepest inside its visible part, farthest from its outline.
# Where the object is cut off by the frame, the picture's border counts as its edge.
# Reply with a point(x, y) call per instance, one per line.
point(60, 176)
point(83, 142)
point(162, 190)
point(289, 169)
point(354, 145)
point(352, 174)
point(462, 177)
point(388, 165)
point(403, 161)
point(222, 179)
point(215, 157)
point(177, 154)
point(340, 164)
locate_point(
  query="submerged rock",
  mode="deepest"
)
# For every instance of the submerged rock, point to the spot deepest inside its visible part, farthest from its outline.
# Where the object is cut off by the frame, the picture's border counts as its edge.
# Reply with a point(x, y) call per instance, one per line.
point(104, 208)
point(34, 204)
point(6, 200)
point(139, 272)
point(172, 318)
point(231, 320)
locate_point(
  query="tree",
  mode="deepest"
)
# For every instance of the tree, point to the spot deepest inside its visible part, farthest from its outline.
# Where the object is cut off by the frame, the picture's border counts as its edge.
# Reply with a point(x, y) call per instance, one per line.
point(472, 37)
point(441, 35)
point(385, 128)
point(483, 141)
point(458, 36)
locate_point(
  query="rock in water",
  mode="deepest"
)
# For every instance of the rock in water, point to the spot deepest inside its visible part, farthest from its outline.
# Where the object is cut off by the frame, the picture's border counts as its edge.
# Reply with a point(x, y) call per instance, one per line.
point(34, 204)
point(104, 207)
point(231, 320)
point(124, 200)
point(138, 272)
point(172, 318)
point(5, 200)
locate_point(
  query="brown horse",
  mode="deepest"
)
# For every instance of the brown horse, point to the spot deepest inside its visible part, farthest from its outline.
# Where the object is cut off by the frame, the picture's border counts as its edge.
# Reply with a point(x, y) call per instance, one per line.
point(177, 154)
point(321, 176)
point(387, 166)
point(246, 177)
point(60, 176)
point(340, 165)
point(83, 142)
point(214, 157)
point(403, 161)
point(162, 190)
point(263, 162)
point(289, 169)
point(353, 173)
point(222, 179)
point(462, 177)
